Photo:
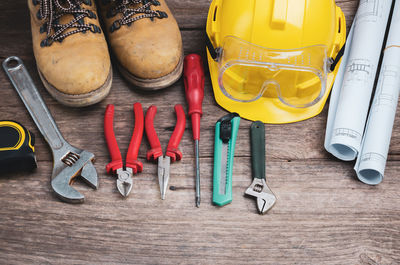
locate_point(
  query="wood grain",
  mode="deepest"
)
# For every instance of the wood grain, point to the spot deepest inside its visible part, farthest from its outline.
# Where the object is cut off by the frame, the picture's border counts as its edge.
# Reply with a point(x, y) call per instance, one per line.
point(323, 214)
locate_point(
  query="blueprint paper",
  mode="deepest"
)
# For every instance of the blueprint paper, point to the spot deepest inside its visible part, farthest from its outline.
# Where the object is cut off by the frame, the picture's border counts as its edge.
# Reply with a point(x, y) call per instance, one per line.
point(351, 106)
point(336, 90)
point(371, 162)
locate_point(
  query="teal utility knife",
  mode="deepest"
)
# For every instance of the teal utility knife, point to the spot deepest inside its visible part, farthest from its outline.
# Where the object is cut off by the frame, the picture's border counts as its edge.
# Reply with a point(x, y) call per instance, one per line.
point(226, 130)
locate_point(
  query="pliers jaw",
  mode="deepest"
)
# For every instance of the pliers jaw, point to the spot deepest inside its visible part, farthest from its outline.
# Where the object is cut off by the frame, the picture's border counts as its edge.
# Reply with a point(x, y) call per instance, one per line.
point(163, 174)
point(265, 198)
point(124, 181)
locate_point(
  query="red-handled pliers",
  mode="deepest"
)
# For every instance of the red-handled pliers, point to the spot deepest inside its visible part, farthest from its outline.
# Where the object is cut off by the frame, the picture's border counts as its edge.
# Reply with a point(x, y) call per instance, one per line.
point(133, 166)
point(173, 154)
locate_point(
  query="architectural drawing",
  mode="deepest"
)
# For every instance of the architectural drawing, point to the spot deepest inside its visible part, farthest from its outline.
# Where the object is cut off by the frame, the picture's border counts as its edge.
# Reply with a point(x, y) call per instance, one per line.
point(352, 91)
point(370, 165)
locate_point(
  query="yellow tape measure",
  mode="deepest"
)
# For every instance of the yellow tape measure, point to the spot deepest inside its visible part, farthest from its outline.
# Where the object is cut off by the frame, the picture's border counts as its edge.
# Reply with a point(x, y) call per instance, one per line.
point(17, 151)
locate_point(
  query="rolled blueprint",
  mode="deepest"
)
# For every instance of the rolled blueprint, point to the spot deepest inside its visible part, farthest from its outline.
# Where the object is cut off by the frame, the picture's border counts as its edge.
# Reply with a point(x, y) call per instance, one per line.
point(371, 161)
point(349, 112)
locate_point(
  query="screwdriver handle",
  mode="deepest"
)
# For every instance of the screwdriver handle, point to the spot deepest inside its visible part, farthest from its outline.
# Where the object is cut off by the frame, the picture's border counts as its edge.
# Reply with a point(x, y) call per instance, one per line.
point(193, 77)
point(257, 133)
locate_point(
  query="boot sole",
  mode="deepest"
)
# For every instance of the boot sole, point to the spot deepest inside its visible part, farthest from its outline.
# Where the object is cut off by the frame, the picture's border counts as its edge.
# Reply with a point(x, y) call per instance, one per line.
point(156, 83)
point(81, 100)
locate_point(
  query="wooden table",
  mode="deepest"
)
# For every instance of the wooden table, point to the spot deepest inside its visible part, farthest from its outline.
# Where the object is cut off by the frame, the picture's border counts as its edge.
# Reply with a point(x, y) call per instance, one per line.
point(323, 214)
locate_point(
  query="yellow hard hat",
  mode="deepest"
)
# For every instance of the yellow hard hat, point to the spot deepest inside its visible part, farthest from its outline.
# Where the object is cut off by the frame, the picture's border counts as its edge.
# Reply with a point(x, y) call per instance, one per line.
point(274, 60)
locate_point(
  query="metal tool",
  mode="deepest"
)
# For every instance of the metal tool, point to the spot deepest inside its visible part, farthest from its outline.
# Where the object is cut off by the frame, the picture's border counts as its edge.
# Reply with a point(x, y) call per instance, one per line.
point(226, 130)
point(133, 166)
point(194, 88)
point(172, 154)
point(69, 161)
point(259, 189)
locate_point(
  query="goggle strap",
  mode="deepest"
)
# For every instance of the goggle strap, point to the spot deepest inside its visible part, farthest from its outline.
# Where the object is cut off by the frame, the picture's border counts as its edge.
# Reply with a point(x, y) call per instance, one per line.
point(211, 49)
point(338, 57)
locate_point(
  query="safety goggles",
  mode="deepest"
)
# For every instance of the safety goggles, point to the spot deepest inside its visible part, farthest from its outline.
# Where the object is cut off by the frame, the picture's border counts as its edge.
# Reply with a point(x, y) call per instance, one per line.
point(297, 77)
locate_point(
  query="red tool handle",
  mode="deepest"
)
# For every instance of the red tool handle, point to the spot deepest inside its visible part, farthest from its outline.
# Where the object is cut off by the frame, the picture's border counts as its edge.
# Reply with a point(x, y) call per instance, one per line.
point(116, 159)
point(172, 148)
point(193, 76)
point(134, 145)
point(155, 151)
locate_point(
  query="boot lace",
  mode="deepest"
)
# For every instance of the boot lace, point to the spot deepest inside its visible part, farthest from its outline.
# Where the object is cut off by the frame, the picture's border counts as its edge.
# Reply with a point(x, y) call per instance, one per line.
point(132, 10)
point(52, 10)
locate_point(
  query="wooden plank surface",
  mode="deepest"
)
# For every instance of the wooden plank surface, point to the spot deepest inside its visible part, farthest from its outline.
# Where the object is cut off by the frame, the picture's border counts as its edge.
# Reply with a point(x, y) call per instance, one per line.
point(323, 214)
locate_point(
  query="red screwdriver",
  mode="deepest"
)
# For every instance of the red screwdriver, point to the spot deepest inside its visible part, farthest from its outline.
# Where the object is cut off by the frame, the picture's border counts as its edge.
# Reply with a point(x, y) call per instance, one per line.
point(194, 89)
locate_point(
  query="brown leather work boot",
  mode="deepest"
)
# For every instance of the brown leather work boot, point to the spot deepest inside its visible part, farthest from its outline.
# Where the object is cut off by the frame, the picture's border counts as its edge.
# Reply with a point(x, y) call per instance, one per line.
point(146, 41)
point(70, 50)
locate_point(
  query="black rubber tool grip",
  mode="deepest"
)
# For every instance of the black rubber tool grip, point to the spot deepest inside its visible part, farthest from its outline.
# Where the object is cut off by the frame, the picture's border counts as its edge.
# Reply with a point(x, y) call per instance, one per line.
point(17, 152)
point(257, 134)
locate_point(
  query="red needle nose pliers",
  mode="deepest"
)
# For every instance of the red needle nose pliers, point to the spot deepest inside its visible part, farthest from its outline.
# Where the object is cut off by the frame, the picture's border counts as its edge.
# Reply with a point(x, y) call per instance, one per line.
point(133, 166)
point(173, 154)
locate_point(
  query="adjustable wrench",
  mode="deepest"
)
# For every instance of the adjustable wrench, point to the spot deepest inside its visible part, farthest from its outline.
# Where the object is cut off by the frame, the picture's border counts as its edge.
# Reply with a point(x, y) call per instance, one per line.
point(258, 188)
point(68, 161)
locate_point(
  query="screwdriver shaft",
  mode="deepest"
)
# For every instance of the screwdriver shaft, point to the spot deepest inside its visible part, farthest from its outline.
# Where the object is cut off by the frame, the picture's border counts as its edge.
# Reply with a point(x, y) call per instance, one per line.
point(197, 173)
point(194, 89)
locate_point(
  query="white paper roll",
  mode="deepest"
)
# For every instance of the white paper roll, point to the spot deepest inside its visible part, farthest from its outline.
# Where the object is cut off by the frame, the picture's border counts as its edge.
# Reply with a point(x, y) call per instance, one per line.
point(371, 162)
point(345, 131)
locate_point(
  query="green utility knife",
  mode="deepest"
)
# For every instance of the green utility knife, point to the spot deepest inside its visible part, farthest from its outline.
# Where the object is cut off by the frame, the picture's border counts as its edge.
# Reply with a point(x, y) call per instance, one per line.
point(226, 130)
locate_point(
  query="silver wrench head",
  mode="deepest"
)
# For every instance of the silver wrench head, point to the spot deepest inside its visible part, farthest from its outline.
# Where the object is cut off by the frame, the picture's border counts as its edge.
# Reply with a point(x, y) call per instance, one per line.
point(265, 198)
point(62, 180)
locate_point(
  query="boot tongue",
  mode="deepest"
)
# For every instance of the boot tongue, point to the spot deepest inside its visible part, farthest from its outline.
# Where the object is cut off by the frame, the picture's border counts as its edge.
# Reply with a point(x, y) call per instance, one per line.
point(67, 18)
point(135, 5)
point(69, 4)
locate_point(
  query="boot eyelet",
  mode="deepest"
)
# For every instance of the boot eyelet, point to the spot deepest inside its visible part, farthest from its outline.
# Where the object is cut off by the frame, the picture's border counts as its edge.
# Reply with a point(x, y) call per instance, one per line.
point(92, 15)
point(162, 14)
point(43, 28)
point(80, 21)
point(115, 26)
point(46, 42)
point(94, 28)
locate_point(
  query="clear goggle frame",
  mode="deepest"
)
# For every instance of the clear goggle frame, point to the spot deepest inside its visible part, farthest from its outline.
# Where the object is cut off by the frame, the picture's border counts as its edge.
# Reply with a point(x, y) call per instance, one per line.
point(297, 77)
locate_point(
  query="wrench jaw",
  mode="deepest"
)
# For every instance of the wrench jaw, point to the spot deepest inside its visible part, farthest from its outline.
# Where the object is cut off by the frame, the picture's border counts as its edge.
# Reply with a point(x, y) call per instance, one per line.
point(62, 188)
point(64, 176)
point(89, 175)
point(265, 202)
point(265, 198)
